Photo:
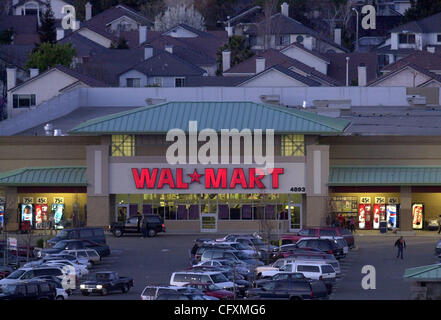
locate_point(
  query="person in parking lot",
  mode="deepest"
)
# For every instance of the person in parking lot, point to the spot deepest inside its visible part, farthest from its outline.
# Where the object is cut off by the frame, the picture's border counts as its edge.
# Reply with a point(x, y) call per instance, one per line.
point(352, 224)
point(401, 244)
point(143, 225)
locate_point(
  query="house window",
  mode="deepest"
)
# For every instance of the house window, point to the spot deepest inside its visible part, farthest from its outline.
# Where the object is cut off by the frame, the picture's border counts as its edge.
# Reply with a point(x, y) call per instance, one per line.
point(123, 145)
point(179, 82)
point(157, 82)
point(283, 40)
point(405, 38)
point(293, 145)
point(133, 82)
point(23, 100)
point(438, 37)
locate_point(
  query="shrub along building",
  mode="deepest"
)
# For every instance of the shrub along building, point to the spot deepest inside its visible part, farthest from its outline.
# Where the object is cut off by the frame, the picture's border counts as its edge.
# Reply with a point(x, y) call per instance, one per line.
point(118, 165)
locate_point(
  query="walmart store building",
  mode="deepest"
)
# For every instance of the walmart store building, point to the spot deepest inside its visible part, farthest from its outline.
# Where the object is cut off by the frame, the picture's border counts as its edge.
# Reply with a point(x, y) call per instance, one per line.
point(114, 167)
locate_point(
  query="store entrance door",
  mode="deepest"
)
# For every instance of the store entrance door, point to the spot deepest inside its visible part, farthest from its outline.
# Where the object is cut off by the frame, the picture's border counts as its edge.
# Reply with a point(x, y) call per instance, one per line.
point(121, 212)
point(208, 222)
point(295, 217)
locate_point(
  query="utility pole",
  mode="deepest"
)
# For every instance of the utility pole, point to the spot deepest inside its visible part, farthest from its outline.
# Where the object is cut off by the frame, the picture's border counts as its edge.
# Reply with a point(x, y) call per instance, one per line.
point(347, 71)
point(356, 32)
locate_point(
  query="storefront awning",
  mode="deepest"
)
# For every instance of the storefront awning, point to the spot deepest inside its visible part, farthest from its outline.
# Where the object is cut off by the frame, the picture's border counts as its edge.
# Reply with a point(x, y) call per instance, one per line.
point(384, 175)
point(214, 115)
point(45, 176)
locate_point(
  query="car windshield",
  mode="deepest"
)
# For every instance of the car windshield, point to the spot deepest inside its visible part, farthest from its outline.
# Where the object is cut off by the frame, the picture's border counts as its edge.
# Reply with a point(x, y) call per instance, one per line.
point(257, 242)
point(218, 277)
point(63, 234)
point(242, 255)
point(60, 245)
point(8, 288)
point(241, 246)
point(16, 274)
point(213, 287)
point(327, 269)
point(100, 276)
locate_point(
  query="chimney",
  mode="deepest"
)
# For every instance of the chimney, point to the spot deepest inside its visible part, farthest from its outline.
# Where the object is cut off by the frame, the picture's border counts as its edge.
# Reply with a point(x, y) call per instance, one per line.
point(362, 76)
point(34, 72)
point(285, 9)
point(260, 64)
point(307, 42)
point(142, 34)
point(148, 52)
point(169, 48)
point(60, 33)
point(88, 11)
point(337, 36)
point(430, 49)
point(229, 31)
point(226, 60)
point(11, 78)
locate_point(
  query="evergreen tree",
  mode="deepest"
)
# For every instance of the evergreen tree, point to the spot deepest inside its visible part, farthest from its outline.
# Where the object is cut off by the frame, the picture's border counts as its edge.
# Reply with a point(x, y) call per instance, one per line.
point(420, 9)
point(240, 51)
point(48, 32)
point(49, 55)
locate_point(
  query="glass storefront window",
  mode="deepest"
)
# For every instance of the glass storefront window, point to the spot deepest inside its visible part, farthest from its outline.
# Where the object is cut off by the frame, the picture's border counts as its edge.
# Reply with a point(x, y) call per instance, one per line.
point(123, 145)
point(293, 145)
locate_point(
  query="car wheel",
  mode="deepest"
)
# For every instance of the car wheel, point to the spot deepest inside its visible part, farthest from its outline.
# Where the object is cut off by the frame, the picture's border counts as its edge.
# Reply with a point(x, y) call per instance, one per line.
point(104, 292)
point(59, 298)
point(85, 293)
point(117, 233)
point(152, 233)
point(125, 288)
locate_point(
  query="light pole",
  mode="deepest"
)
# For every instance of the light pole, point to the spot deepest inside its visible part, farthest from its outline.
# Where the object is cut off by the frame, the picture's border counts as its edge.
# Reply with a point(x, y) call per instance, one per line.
point(356, 32)
point(347, 71)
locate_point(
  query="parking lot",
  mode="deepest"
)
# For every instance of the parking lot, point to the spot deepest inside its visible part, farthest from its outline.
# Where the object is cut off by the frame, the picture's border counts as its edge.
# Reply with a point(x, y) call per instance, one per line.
point(152, 261)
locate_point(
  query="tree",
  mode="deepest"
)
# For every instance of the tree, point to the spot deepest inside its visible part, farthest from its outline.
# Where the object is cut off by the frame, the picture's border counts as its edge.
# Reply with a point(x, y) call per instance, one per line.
point(239, 52)
point(421, 9)
point(49, 55)
point(181, 13)
point(48, 32)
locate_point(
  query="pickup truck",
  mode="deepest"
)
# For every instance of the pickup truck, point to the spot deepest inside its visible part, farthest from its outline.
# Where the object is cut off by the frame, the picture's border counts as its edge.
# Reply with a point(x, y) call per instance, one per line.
point(105, 282)
point(133, 225)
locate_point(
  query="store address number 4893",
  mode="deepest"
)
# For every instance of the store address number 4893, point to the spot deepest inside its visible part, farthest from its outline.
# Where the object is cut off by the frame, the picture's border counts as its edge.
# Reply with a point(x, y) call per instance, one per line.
point(298, 189)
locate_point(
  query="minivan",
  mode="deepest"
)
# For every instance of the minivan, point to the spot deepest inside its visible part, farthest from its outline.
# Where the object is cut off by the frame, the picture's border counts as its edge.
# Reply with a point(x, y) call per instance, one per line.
point(182, 278)
point(24, 274)
point(93, 234)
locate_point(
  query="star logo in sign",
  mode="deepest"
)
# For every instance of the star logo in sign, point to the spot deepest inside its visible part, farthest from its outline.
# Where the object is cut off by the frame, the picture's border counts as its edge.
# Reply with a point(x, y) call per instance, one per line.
point(195, 176)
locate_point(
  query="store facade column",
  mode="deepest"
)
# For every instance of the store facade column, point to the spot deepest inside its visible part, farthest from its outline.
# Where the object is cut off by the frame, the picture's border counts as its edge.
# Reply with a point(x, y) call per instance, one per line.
point(11, 205)
point(98, 202)
point(317, 172)
point(406, 208)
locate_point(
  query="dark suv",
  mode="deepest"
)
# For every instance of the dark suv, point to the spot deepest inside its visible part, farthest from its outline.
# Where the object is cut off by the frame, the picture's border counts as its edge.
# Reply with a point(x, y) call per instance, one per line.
point(287, 290)
point(102, 248)
point(319, 232)
point(325, 245)
point(155, 224)
point(29, 290)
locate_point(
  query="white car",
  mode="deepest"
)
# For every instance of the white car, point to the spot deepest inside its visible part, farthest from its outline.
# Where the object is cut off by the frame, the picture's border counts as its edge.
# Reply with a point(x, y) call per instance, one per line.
point(316, 270)
point(241, 247)
point(181, 278)
point(70, 257)
point(80, 270)
point(239, 267)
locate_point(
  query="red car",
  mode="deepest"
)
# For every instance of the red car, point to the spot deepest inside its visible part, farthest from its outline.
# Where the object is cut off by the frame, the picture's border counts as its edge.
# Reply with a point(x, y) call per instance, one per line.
point(319, 232)
point(212, 290)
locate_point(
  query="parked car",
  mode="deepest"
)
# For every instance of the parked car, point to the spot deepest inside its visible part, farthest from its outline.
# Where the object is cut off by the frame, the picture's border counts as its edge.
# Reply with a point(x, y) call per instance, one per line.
point(291, 276)
point(288, 250)
point(5, 271)
point(24, 274)
point(326, 245)
point(245, 248)
point(93, 234)
point(104, 282)
point(102, 248)
point(212, 290)
point(57, 256)
point(209, 246)
point(152, 292)
point(90, 254)
point(29, 290)
point(184, 296)
point(182, 278)
point(319, 232)
point(155, 225)
point(238, 267)
point(285, 290)
point(62, 294)
point(230, 255)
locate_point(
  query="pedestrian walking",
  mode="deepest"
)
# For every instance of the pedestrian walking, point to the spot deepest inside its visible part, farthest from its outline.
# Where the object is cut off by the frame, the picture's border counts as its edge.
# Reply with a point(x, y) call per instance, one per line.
point(401, 244)
point(352, 224)
point(143, 225)
point(439, 224)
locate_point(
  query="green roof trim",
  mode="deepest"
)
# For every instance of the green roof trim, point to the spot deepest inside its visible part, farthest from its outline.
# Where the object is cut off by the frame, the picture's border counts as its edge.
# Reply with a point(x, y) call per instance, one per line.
point(214, 115)
point(424, 273)
point(45, 176)
point(384, 175)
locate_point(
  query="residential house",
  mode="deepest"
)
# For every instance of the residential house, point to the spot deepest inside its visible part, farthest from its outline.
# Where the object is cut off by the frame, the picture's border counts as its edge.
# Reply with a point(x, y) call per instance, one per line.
point(407, 75)
point(37, 7)
point(423, 59)
point(282, 30)
point(423, 34)
point(160, 68)
point(42, 87)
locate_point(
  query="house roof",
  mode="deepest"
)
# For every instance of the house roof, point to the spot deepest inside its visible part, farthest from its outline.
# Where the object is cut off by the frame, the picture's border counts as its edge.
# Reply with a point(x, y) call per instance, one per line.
point(75, 74)
point(384, 175)
point(426, 25)
point(16, 55)
point(198, 32)
point(165, 64)
point(423, 59)
point(21, 2)
point(83, 46)
point(20, 24)
point(215, 115)
point(404, 66)
point(302, 47)
point(288, 72)
point(45, 176)
point(337, 67)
